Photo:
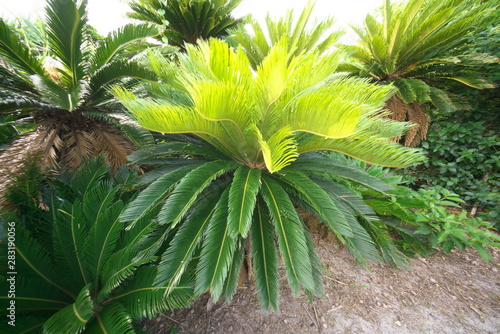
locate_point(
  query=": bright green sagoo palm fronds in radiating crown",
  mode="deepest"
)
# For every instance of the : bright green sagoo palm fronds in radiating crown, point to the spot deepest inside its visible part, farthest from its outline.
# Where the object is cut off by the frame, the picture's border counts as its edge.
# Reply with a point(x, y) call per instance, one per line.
point(253, 163)
point(265, 118)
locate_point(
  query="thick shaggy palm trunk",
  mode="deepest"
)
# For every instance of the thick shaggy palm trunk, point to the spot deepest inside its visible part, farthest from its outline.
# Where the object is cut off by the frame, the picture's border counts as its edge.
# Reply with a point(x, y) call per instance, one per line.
point(71, 137)
point(414, 113)
point(64, 139)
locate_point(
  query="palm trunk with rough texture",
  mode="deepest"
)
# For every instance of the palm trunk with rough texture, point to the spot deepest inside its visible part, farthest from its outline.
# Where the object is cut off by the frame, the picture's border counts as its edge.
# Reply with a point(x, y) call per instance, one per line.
point(414, 113)
point(64, 140)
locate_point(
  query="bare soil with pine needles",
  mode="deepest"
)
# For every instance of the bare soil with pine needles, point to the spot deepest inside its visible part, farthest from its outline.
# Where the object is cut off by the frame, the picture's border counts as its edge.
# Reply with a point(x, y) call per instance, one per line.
point(452, 294)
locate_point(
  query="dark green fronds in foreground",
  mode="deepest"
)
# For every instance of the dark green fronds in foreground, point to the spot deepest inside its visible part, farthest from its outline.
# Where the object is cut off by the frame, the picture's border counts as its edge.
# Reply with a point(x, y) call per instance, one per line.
point(79, 270)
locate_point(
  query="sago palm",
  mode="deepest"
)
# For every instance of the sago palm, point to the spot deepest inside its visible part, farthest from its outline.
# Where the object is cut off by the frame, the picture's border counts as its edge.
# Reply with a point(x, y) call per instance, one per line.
point(186, 21)
point(76, 268)
point(233, 189)
point(65, 89)
point(413, 44)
